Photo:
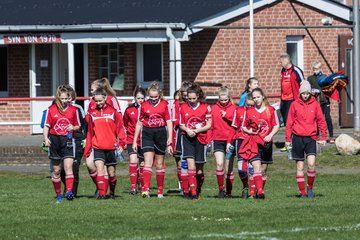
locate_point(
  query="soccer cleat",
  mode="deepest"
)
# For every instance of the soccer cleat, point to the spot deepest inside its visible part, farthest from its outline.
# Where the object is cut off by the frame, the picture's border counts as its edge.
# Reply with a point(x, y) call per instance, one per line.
point(310, 193)
point(228, 195)
point(96, 194)
point(332, 140)
point(69, 196)
point(221, 194)
point(245, 193)
point(284, 149)
point(160, 195)
point(145, 194)
point(59, 198)
point(112, 196)
point(260, 196)
point(101, 197)
point(133, 191)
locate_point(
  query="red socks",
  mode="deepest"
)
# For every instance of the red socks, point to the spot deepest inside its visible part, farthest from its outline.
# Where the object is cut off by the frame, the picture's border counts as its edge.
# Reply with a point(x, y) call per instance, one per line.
point(133, 175)
point(301, 184)
point(185, 181)
point(258, 182)
point(100, 182)
point(252, 186)
point(264, 178)
point(57, 184)
point(160, 177)
point(192, 181)
point(112, 184)
point(147, 178)
point(220, 179)
point(229, 182)
point(69, 182)
point(310, 178)
point(93, 175)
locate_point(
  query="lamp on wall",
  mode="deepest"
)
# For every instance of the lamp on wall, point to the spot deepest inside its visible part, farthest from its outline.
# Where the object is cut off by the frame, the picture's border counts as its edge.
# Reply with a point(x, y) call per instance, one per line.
point(327, 21)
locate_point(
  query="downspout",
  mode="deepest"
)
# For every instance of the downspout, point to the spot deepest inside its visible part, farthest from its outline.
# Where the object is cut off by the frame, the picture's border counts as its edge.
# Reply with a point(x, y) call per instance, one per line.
point(172, 67)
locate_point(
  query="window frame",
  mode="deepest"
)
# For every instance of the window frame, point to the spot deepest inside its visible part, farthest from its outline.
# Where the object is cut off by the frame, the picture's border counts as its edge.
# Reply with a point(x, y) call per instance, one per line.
point(299, 40)
point(110, 61)
point(140, 64)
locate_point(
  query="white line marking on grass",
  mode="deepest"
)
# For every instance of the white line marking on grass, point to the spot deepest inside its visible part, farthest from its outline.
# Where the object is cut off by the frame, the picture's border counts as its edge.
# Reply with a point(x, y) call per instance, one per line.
point(262, 235)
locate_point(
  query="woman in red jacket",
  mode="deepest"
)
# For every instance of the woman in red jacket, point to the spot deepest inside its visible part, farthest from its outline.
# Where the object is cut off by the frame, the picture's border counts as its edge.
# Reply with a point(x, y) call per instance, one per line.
point(222, 113)
point(105, 139)
point(261, 124)
point(305, 116)
point(111, 100)
point(131, 117)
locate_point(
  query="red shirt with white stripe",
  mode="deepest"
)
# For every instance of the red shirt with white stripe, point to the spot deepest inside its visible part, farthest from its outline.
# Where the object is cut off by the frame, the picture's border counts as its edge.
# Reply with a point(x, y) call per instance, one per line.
point(221, 125)
point(110, 100)
point(195, 118)
point(105, 128)
point(266, 120)
point(131, 117)
point(58, 122)
point(154, 115)
point(239, 116)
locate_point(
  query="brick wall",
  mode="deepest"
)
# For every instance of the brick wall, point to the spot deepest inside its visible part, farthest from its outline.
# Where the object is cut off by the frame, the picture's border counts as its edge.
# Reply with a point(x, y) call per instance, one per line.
point(14, 111)
point(228, 58)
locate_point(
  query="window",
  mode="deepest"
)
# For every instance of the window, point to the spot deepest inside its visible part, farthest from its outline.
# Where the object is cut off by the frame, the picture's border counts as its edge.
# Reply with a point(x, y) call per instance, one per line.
point(295, 48)
point(149, 63)
point(3, 72)
point(111, 63)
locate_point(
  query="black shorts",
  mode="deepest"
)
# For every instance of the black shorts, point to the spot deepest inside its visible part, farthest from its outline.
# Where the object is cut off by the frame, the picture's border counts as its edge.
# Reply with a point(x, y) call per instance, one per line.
point(265, 154)
point(107, 156)
point(131, 151)
point(154, 140)
point(219, 146)
point(61, 147)
point(178, 147)
point(302, 146)
point(192, 148)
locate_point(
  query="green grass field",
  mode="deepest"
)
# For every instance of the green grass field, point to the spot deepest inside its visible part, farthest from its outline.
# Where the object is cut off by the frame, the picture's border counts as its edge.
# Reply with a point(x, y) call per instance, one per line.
point(29, 211)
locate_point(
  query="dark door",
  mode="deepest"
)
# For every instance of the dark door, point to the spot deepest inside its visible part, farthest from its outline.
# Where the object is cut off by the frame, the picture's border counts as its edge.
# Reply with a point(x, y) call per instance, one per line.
point(345, 62)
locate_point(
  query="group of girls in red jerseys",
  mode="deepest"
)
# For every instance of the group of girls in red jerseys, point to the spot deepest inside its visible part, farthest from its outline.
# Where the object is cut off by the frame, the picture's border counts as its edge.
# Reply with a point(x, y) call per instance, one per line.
point(150, 128)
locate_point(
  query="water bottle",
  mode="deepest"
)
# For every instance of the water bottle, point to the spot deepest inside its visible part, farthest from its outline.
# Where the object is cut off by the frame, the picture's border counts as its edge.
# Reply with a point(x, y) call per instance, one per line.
point(119, 156)
point(289, 152)
point(230, 153)
point(69, 142)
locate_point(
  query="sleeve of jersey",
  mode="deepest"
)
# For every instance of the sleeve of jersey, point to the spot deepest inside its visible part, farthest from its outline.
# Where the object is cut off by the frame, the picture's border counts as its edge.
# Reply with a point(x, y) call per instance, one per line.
point(208, 116)
point(181, 117)
point(321, 122)
point(120, 130)
point(116, 104)
point(290, 122)
point(274, 118)
point(89, 136)
point(126, 118)
point(167, 113)
point(48, 118)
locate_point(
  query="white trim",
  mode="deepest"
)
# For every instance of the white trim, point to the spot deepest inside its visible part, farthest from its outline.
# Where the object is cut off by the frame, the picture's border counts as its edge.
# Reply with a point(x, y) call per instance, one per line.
point(86, 69)
point(107, 37)
point(233, 12)
point(71, 63)
point(140, 65)
point(343, 12)
point(299, 40)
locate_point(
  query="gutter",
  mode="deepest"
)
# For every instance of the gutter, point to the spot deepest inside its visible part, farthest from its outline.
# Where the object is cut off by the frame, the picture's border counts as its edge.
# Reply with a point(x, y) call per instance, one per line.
point(92, 27)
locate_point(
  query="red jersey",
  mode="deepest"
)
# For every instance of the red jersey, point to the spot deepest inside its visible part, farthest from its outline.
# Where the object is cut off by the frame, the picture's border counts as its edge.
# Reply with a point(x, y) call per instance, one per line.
point(265, 120)
point(290, 83)
point(58, 122)
point(105, 129)
point(304, 119)
point(110, 100)
point(131, 117)
point(238, 119)
point(221, 126)
point(154, 115)
point(175, 113)
point(195, 118)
